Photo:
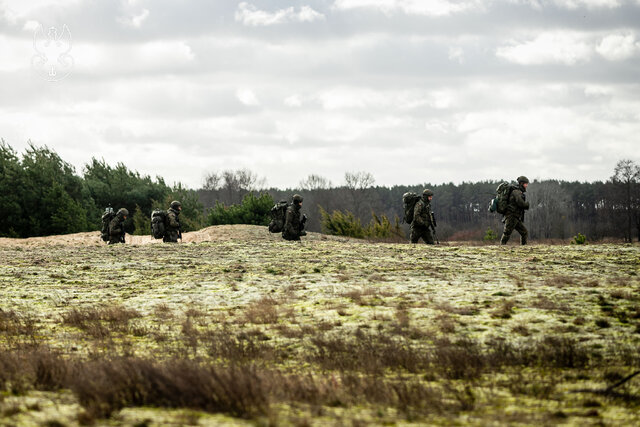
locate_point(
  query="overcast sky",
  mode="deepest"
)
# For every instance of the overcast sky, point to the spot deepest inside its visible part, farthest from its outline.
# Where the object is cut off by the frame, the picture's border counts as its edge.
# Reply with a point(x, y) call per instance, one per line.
point(410, 90)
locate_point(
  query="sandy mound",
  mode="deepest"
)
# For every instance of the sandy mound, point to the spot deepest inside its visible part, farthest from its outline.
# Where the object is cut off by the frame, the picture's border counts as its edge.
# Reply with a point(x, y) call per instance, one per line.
point(209, 234)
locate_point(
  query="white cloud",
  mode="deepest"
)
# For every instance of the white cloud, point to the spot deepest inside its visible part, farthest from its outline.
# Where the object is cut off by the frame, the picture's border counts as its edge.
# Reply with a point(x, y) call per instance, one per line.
point(456, 54)
point(571, 4)
point(589, 4)
point(597, 91)
point(104, 60)
point(135, 20)
point(15, 54)
point(31, 25)
point(618, 47)
point(16, 10)
point(566, 48)
point(412, 7)
point(293, 101)
point(247, 97)
point(307, 14)
point(250, 15)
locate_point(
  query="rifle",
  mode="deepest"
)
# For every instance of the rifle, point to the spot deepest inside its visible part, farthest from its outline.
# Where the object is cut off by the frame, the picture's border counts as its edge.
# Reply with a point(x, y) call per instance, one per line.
point(433, 226)
point(180, 232)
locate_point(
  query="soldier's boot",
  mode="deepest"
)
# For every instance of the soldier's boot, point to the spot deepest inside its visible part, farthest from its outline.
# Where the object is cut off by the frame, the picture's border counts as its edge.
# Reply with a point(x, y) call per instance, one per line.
point(504, 239)
point(428, 238)
point(523, 238)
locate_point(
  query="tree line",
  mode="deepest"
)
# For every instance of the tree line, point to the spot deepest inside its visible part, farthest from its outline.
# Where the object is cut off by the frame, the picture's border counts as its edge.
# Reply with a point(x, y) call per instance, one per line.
point(559, 209)
point(44, 195)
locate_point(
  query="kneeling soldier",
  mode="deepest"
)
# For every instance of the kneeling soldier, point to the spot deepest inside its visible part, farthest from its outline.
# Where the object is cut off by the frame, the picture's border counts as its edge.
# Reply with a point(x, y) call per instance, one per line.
point(116, 227)
point(293, 223)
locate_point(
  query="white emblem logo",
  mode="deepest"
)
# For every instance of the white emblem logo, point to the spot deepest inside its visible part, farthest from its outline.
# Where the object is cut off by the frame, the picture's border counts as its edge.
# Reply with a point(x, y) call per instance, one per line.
point(52, 61)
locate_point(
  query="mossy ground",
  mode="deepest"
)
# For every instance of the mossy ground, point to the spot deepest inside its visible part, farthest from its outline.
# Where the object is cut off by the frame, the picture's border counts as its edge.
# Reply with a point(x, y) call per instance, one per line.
point(447, 335)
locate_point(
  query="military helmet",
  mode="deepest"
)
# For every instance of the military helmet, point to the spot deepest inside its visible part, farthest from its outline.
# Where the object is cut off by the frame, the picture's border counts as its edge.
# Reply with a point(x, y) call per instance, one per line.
point(427, 192)
point(175, 204)
point(297, 198)
point(123, 212)
point(523, 179)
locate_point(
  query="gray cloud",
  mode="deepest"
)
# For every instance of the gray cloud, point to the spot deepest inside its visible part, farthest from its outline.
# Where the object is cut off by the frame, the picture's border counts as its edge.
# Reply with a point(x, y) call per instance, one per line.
point(180, 88)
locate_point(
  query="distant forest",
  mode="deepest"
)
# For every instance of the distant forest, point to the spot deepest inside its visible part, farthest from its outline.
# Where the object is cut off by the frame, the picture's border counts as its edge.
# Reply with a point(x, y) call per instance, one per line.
point(44, 195)
point(559, 209)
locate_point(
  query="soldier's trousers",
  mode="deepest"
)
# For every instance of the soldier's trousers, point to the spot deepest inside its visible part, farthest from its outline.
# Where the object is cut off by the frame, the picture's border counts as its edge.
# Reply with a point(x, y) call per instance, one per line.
point(170, 236)
point(514, 223)
point(421, 232)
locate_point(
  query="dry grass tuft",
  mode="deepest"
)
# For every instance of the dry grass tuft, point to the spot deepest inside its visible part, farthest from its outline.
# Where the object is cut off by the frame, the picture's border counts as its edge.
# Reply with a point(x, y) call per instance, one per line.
point(505, 311)
point(263, 311)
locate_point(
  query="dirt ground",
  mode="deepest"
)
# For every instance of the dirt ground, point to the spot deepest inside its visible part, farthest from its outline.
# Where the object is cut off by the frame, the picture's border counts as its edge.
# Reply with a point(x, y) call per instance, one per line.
point(210, 234)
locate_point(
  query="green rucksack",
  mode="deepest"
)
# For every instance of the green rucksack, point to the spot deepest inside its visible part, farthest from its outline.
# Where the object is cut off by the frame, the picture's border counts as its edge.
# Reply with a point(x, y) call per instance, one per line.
point(158, 223)
point(409, 201)
point(278, 216)
point(107, 216)
point(501, 201)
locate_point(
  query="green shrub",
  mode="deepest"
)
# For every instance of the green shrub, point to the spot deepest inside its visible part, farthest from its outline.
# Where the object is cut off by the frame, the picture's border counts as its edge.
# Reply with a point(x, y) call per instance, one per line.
point(141, 223)
point(253, 210)
point(580, 239)
point(346, 224)
point(490, 235)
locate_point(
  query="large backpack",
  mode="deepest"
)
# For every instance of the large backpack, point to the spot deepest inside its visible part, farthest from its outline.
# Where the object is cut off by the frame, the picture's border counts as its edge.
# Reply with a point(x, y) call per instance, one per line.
point(409, 202)
point(107, 216)
point(158, 223)
point(278, 216)
point(501, 201)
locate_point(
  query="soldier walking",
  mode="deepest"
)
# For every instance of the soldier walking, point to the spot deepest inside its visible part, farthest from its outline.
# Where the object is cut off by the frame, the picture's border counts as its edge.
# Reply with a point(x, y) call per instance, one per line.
point(514, 215)
point(116, 226)
point(294, 222)
point(423, 219)
point(173, 231)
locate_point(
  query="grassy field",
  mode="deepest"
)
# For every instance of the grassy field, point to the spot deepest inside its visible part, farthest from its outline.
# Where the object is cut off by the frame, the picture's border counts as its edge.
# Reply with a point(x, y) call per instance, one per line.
point(326, 332)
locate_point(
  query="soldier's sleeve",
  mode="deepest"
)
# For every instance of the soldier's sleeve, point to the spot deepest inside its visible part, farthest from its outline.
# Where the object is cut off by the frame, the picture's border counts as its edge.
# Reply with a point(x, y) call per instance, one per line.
point(517, 196)
point(428, 215)
point(173, 221)
point(418, 219)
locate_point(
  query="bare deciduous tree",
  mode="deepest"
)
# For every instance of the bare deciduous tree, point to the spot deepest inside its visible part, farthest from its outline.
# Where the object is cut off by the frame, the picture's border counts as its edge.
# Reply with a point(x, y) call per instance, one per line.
point(357, 183)
point(212, 181)
point(315, 182)
point(627, 175)
point(234, 184)
point(550, 210)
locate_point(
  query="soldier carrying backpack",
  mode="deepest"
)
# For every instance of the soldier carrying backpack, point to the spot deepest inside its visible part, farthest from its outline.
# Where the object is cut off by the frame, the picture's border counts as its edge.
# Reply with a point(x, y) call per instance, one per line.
point(420, 216)
point(107, 216)
point(173, 230)
point(294, 223)
point(116, 226)
point(511, 202)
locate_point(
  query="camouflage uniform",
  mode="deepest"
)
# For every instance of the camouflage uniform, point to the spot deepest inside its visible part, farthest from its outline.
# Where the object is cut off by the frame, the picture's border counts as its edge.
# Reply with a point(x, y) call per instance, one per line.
point(514, 216)
point(172, 226)
point(116, 227)
point(421, 224)
point(293, 226)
